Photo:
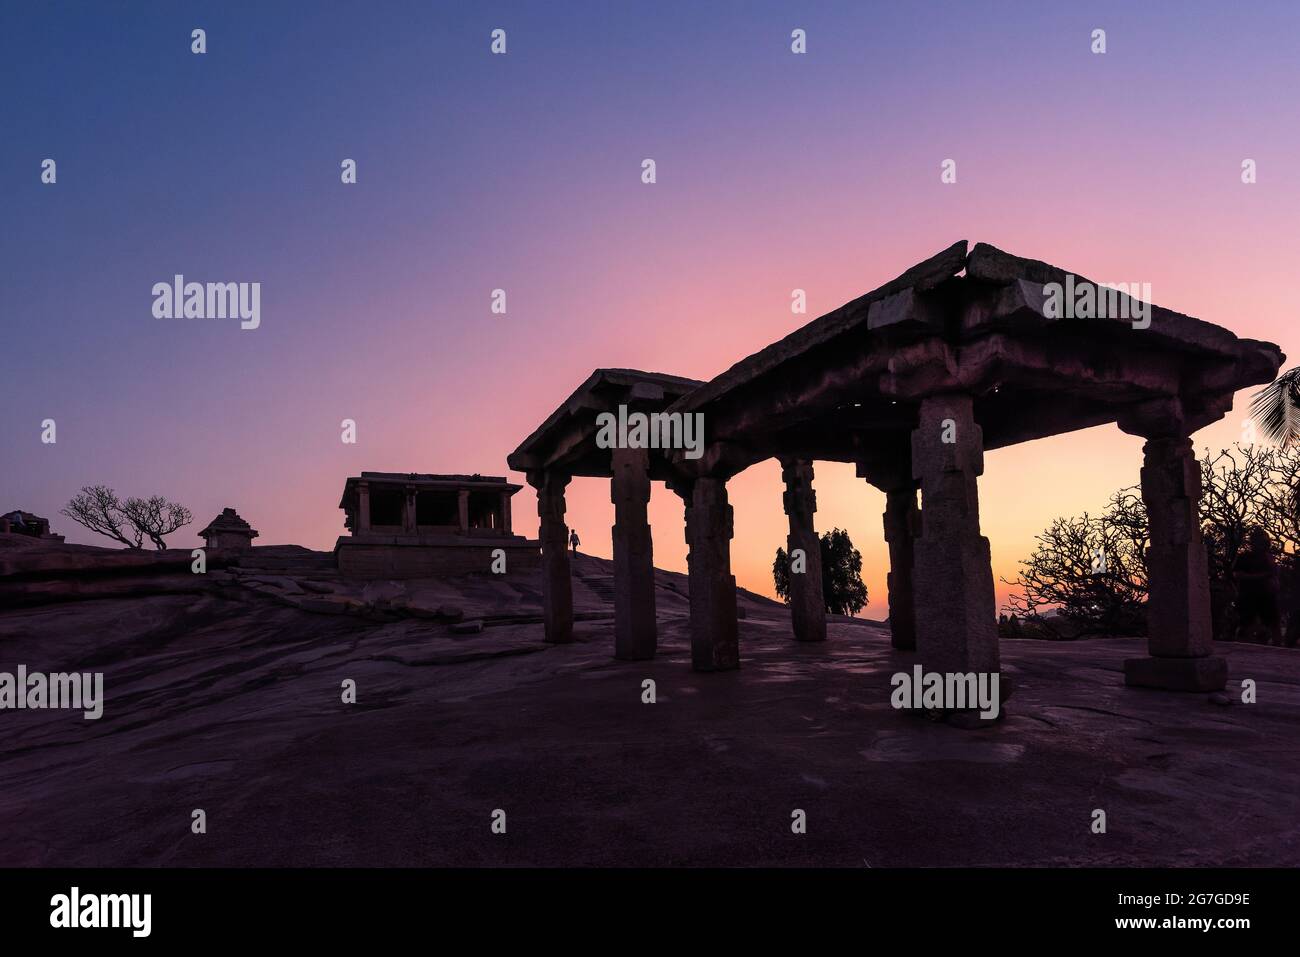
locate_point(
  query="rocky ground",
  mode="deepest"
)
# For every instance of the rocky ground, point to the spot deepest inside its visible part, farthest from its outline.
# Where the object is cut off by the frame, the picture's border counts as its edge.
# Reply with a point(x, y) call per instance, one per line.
point(223, 692)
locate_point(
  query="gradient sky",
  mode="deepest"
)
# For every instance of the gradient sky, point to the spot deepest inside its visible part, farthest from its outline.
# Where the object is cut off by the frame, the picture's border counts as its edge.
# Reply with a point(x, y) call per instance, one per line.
point(775, 172)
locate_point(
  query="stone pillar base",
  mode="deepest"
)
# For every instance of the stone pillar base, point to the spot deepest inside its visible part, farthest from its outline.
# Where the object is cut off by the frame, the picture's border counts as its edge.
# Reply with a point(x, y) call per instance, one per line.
point(1177, 674)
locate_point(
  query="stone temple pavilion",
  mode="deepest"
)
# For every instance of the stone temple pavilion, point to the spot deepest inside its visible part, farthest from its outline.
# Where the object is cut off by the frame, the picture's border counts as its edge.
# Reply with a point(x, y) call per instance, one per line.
point(912, 382)
point(31, 525)
point(412, 525)
point(228, 530)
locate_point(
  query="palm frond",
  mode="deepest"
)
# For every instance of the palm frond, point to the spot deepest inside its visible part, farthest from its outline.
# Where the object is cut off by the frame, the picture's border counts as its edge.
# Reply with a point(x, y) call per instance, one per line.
point(1276, 409)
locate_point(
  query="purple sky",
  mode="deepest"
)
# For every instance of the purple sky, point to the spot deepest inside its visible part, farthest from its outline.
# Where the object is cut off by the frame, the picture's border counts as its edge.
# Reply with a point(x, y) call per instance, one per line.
point(775, 171)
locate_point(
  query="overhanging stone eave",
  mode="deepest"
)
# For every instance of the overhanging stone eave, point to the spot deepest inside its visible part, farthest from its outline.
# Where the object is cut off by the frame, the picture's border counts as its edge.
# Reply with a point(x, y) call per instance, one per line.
point(573, 422)
point(1012, 307)
point(525, 454)
point(1008, 432)
point(934, 329)
point(1017, 292)
point(1082, 395)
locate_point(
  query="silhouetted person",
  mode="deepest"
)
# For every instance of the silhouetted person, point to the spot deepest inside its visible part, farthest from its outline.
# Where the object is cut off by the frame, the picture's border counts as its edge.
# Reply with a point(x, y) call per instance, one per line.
point(573, 540)
point(1255, 575)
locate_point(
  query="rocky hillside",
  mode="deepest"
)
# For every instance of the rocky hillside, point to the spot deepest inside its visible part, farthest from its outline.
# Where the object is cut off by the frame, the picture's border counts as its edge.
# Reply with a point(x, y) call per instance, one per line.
point(223, 693)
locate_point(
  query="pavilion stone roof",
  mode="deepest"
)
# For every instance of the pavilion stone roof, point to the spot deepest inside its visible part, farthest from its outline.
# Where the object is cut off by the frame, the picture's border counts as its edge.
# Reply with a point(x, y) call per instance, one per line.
point(567, 435)
point(848, 385)
point(228, 521)
point(1021, 298)
point(428, 481)
point(416, 478)
point(850, 381)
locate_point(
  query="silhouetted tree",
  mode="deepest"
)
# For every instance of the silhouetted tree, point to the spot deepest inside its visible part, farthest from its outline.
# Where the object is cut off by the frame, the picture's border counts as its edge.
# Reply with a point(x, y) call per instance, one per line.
point(156, 517)
point(842, 587)
point(1276, 408)
point(97, 508)
point(1093, 570)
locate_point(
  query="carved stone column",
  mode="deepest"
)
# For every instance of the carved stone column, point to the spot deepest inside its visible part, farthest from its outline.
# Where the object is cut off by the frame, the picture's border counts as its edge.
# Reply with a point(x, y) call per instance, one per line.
point(408, 509)
point(634, 572)
point(807, 603)
point(1179, 634)
point(715, 644)
point(506, 527)
point(363, 508)
point(956, 614)
point(557, 587)
point(902, 521)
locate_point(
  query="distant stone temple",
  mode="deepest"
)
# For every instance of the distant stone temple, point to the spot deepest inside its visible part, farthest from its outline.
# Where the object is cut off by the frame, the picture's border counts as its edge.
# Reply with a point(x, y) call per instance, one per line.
point(415, 525)
point(18, 522)
point(913, 382)
point(228, 530)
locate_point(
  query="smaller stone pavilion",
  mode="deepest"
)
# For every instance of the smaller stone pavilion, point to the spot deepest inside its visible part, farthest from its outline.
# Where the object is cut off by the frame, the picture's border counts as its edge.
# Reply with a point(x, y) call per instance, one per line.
point(417, 525)
point(30, 525)
point(228, 530)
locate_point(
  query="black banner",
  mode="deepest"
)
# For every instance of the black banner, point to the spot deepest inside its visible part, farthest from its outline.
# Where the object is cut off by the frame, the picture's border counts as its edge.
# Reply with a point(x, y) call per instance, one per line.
point(144, 907)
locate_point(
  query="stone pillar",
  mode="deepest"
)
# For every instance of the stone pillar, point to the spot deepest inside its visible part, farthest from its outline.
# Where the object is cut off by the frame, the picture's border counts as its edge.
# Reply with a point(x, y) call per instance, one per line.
point(807, 604)
point(462, 505)
point(634, 572)
point(408, 509)
point(952, 575)
point(902, 520)
point(1179, 636)
point(902, 525)
point(714, 634)
point(506, 528)
point(557, 589)
point(363, 508)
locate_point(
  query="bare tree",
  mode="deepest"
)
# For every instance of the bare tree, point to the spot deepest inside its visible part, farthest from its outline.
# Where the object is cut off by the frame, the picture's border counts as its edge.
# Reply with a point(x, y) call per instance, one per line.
point(97, 508)
point(1234, 493)
point(1092, 570)
point(156, 517)
point(1279, 506)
